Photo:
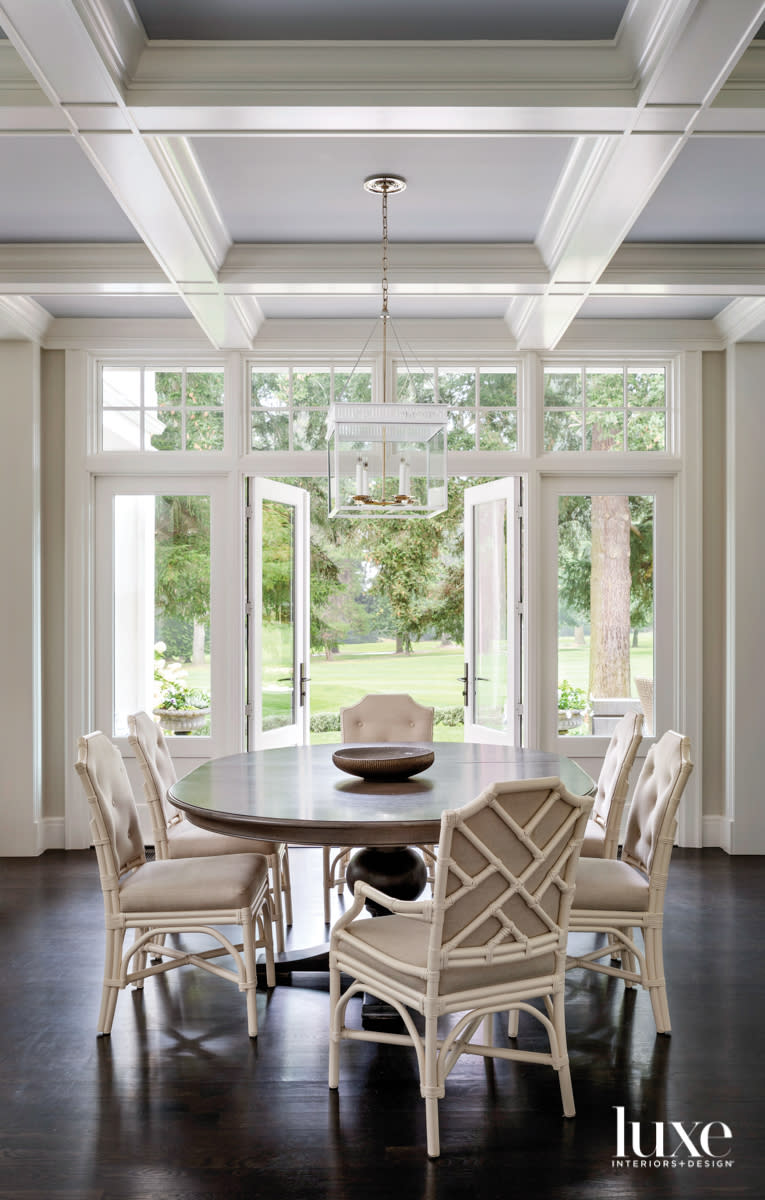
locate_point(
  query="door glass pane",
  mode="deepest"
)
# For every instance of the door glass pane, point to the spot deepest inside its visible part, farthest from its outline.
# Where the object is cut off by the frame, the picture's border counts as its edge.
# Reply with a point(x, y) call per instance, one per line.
point(490, 621)
point(605, 611)
point(278, 631)
point(161, 634)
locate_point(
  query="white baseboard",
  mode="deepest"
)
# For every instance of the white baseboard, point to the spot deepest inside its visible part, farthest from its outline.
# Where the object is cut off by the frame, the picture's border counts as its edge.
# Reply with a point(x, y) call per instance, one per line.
point(52, 834)
point(717, 831)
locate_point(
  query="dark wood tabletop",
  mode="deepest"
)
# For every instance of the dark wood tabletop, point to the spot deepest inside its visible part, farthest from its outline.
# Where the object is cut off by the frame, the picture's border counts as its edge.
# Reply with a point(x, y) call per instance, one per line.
point(297, 794)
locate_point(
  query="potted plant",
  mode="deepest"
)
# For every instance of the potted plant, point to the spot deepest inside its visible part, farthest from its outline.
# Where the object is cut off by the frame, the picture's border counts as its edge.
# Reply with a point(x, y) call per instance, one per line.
point(572, 706)
point(180, 708)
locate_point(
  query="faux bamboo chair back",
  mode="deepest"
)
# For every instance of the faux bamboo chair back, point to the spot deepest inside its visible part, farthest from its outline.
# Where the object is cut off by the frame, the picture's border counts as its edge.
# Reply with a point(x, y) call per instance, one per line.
point(613, 783)
point(387, 717)
point(652, 817)
point(492, 939)
point(114, 823)
point(201, 896)
point(175, 837)
point(618, 897)
point(158, 770)
point(505, 876)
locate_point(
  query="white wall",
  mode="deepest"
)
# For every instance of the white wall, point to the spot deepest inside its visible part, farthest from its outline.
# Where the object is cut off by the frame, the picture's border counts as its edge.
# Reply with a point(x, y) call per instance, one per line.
point(745, 486)
point(20, 614)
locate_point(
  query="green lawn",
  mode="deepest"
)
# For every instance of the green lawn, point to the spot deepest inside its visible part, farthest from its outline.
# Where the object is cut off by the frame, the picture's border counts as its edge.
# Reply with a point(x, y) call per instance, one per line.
point(574, 661)
point(431, 675)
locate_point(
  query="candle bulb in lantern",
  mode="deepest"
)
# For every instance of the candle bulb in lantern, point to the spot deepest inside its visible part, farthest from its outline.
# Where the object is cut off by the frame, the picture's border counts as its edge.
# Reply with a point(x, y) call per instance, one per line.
point(403, 477)
point(359, 477)
point(364, 479)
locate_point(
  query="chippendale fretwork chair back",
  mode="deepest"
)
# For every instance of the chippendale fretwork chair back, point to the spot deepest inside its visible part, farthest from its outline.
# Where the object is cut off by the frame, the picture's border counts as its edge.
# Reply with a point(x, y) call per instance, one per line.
point(175, 837)
point(492, 938)
point(378, 717)
point(617, 897)
point(156, 898)
point(602, 837)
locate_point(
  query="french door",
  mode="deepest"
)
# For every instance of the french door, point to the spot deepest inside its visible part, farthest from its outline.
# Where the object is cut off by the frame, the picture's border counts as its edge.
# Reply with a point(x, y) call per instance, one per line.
point(494, 617)
point(278, 615)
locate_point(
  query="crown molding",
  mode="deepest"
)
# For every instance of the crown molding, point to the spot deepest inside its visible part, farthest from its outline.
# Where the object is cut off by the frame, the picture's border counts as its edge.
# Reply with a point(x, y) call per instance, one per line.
point(742, 320)
point(658, 337)
point(81, 267)
point(23, 318)
point(129, 335)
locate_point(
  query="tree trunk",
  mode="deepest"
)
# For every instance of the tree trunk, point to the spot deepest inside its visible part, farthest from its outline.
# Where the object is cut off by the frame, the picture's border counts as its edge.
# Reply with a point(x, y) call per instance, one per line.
point(634, 638)
point(198, 645)
point(579, 635)
point(610, 597)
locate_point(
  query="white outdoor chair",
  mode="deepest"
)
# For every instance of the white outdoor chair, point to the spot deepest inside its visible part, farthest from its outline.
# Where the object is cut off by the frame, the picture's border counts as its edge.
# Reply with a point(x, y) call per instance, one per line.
point(175, 837)
point(378, 717)
point(492, 937)
point(617, 897)
point(161, 897)
point(601, 839)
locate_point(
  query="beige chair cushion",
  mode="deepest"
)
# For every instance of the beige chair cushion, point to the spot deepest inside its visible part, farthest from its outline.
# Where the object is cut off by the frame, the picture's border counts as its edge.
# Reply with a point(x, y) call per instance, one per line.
point(407, 939)
point(189, 841)
point(194, 884)
point(594, 839)
point(609, 885)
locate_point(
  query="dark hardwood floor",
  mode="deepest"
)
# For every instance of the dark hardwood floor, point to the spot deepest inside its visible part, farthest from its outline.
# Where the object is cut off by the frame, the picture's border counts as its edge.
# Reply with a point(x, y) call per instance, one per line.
point(178, 1104)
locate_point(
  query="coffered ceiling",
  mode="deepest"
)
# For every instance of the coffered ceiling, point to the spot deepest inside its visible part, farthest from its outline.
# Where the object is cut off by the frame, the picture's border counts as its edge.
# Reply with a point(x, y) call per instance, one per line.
point(568, 165)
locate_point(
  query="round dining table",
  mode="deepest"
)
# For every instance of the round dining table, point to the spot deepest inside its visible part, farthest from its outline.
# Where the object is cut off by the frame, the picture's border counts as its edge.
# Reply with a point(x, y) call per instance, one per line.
point(296, 794)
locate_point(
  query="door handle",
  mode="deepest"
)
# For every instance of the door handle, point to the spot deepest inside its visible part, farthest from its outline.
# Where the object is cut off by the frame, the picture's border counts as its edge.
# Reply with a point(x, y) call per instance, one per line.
point(304, 679)
point(464, 681)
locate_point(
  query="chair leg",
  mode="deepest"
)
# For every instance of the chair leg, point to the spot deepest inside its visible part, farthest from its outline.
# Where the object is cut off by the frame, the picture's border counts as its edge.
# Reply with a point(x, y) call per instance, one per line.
point(560, 1052)
point(334, 1026)
point(110, 989)
point(276, 896)
point(286, 885)
point(657, 987)
point(627, 958)
point(513, 1017)
point(325, 853)
point(250, 970)
point(429, 1087)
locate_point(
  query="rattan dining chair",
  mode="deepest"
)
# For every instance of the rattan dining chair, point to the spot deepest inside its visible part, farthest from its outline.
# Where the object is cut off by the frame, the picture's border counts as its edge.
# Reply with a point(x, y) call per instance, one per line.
point(492, 937)
point(378, 717)
point(618, 897)
point(171, 896)
point(601, 839)
point(175, 837)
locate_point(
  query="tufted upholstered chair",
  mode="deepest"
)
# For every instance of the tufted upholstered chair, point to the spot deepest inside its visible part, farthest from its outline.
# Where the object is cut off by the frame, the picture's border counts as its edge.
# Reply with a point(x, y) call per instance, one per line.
point(378, 717)
point(602, 837)
point(175, 837)
point(493, 935)
point(618, 897)
point(161, 897)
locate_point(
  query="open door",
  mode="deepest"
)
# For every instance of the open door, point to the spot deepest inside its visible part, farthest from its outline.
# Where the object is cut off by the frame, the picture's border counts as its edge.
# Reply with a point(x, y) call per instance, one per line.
point(494, 625)
point(278, 615)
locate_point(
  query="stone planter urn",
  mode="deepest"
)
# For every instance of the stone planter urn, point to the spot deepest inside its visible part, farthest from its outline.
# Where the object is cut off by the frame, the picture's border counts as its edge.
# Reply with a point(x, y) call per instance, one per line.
point(181, 720)
point(569, 719)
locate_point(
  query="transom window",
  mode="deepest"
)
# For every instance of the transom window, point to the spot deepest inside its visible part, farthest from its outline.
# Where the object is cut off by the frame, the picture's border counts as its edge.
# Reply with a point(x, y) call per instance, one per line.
point(605, 408)
point(288, 409)
point(482, 403)
point(173, 408)
point(288, 405)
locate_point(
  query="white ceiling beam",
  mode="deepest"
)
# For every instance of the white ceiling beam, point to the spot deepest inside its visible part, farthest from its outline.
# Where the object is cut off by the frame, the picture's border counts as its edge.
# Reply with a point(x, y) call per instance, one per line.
point(742, 320)
point(78, 55)
point(23, 318)
point(683, 51)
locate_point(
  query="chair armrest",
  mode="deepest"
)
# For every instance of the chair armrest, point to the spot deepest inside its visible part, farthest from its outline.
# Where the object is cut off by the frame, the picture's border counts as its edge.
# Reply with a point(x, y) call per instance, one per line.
point(418, 909)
